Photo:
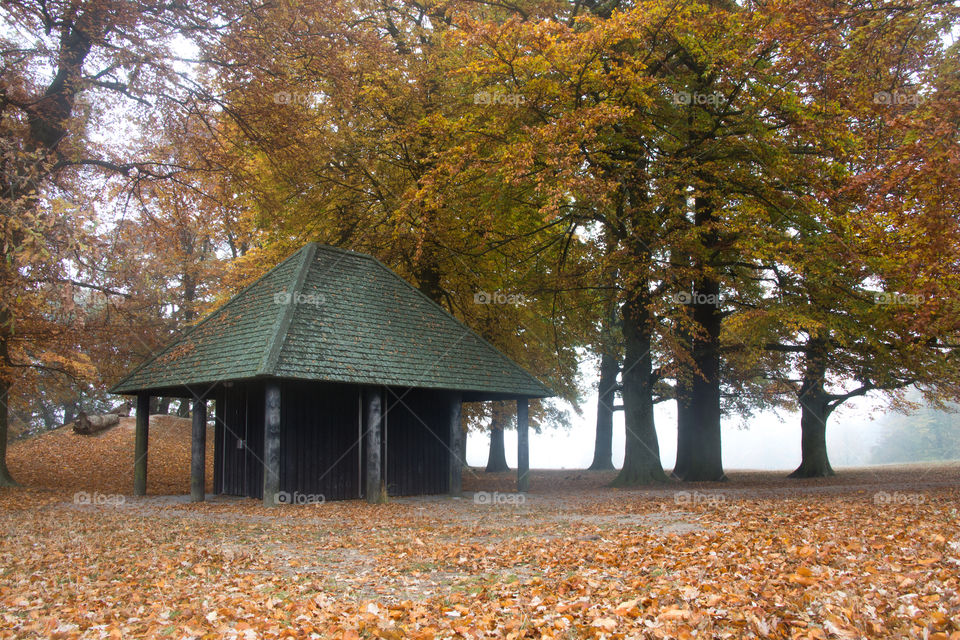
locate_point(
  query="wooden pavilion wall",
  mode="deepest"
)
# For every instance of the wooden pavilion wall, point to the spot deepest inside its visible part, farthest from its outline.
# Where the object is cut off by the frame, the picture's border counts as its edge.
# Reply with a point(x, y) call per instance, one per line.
point(319, 435)
point(241, 472)
point(321, 445)
point(417, 439)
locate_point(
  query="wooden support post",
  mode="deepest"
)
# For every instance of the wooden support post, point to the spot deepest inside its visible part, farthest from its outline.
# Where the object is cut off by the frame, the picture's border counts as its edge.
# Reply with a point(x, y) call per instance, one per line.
point(140, 444)
point(374, 421)
point(523, 446)
point(456, 435)
point(271, 445)
point(198, 451)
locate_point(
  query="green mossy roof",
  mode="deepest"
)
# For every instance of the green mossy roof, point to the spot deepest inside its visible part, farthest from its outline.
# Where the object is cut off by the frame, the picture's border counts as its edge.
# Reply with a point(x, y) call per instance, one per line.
point(333, 315)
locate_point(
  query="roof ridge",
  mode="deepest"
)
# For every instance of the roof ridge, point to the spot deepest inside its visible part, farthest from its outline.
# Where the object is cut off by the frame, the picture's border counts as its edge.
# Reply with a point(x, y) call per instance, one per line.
point(191, 330)
point(278, 335)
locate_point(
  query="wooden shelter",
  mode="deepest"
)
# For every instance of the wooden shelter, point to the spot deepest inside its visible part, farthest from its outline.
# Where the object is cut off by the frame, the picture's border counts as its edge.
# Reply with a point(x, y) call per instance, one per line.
point(332, 376)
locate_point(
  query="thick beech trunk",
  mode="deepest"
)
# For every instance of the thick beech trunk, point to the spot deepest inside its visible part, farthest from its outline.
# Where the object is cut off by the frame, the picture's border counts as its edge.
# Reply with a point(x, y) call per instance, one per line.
point(606, 393)
point(699, 451)
point(641, 462)
point(70, 411)
point(815, 410)
point(813, 441)
point(162, 406)
point(47, 121)
point(6, 480)
point(497, 459)
point(523, 446)
point(685, 423)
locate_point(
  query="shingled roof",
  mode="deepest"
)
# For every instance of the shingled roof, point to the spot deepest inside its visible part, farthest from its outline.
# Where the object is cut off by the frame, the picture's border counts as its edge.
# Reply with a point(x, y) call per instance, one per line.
point(334, 315)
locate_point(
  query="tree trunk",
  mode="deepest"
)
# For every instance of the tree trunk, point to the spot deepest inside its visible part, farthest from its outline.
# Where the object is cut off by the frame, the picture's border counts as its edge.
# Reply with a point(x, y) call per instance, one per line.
point(163, 406)
point(523, 446)
point(641, 462)
point(6, 323)
point(48, 415)
point(70, 411)
point(89, 425)
point(815, 410)
point(6, 480)
point(47, 121)
point(428, 275)
point(699, 451)
point(606, 392)
point(685, 421)
point(183, 411)
point(683, 389)
point(497, 460)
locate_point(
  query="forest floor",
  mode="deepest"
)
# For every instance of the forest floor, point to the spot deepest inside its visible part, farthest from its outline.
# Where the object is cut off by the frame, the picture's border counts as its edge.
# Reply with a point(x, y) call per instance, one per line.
point(871, 553)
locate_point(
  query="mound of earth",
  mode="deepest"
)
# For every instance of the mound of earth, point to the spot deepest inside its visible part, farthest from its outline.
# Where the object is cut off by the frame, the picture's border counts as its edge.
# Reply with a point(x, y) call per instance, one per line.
point(63, 460)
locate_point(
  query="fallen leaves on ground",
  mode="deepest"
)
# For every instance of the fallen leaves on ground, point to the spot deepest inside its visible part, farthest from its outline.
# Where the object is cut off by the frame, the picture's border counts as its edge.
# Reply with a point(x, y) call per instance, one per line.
point(103, 462)
point(823, 562)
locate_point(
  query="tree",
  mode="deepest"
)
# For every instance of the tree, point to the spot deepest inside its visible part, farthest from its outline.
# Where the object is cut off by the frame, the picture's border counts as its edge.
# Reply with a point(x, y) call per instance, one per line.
point(380, 122)
point(500, 417)
point(863, 279)
point(68, 64)
point(657, 174)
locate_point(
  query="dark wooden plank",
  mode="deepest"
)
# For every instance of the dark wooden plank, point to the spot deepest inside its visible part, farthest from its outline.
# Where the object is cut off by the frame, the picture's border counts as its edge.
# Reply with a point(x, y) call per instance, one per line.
point(453, 445)
point(372, 400)
point(271, 444)
point(198, 451)
point(141, 444)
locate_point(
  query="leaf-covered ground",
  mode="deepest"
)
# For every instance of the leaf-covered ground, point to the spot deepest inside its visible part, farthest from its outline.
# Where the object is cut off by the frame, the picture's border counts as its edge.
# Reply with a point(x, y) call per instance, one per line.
point(869, 554)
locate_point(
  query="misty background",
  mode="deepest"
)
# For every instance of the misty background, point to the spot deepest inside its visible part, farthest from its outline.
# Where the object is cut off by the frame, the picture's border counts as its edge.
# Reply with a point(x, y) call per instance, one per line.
point(861, 432)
